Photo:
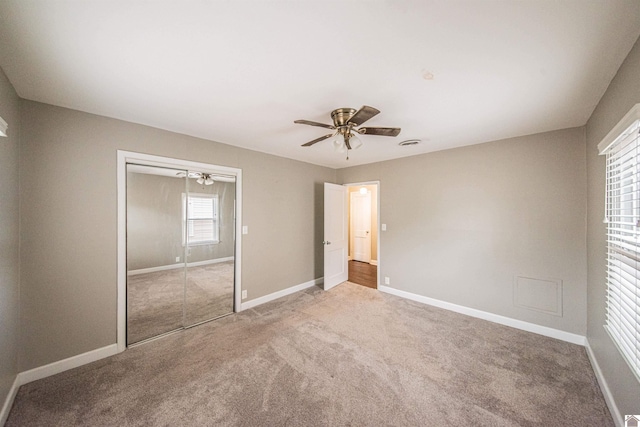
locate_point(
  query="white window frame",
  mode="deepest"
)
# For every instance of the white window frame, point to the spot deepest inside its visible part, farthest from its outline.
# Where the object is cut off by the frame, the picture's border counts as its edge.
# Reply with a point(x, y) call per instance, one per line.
point(215, 219)
point(622, 217)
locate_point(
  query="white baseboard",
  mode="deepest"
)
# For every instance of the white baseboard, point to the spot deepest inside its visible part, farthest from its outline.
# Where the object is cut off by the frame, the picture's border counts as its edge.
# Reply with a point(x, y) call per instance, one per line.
point(606, 392)
point(8, 402)
point(154, 269)
point(66, 364)
point(51, 369)
point(210, 261)
point(178, 265)
point(258, 301)
point(496, 318)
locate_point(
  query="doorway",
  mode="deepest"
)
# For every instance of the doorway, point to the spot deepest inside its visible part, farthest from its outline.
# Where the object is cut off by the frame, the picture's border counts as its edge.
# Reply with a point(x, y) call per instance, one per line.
point(178, 223)
point(363, 233)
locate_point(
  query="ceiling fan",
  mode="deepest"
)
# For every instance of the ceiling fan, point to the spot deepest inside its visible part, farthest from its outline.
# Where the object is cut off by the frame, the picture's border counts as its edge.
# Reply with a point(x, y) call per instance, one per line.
point(200, 177)
point(345, 124)
point(206, 178)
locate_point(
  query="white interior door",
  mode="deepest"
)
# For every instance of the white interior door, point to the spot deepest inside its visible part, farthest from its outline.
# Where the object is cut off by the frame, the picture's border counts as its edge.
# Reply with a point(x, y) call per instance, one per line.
point(336, 267)
point(361, 226)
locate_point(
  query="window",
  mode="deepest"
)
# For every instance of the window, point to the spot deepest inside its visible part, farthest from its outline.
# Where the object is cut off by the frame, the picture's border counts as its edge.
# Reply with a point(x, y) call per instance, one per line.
point(3, 127)
point(622, 216)
point(200, 213)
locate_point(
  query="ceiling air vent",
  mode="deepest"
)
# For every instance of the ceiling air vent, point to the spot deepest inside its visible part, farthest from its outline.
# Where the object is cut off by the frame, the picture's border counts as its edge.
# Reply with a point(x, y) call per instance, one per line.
point(409, 142)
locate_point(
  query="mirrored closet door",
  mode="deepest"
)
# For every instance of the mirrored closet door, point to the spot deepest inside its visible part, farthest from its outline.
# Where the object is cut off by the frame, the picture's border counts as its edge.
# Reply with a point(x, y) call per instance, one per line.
point(180, 249)
point(209, 232)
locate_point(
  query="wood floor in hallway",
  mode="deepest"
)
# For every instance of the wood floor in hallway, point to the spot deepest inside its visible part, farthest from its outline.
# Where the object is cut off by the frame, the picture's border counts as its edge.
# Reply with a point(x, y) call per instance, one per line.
point(363, 273)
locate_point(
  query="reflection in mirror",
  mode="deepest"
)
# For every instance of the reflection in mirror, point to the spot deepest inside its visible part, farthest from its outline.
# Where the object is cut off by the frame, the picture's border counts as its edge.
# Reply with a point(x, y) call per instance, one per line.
point(180, 249)
point(208, 231)
point(155, 252)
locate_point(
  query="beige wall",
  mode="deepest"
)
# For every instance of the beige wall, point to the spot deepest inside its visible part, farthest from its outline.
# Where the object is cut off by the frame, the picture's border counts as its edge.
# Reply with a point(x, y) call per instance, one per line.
point(9, 238)
point(154, 221)
point(374, 219)
point(462, 223)
point(622, 94)
point(68, 247)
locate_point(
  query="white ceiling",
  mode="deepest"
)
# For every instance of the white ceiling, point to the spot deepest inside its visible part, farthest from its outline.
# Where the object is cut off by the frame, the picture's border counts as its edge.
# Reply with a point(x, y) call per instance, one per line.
point(451, 73)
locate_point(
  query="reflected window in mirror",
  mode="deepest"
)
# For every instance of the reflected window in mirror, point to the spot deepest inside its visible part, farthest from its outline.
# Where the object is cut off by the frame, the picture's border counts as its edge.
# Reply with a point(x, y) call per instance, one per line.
point(200, 213)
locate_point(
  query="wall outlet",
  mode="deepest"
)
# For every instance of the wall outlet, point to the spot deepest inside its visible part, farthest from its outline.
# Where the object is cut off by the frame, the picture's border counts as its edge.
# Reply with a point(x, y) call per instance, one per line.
point(384, 227)
point(245, 229)
point(387, 281)
point(177, 259)
point(244, 294)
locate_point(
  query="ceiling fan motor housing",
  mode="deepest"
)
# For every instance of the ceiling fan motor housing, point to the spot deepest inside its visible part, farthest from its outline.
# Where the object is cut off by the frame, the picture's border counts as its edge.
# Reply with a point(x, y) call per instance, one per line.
point(341, 116)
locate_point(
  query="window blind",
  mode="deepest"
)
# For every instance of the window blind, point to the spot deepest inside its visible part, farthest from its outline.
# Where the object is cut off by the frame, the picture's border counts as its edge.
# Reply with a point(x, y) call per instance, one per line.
point(202, 218)
point(623, 244)
point(200, 207)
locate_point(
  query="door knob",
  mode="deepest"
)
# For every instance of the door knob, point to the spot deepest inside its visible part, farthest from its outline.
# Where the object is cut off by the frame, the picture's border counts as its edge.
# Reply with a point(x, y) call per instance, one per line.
point(326, 242)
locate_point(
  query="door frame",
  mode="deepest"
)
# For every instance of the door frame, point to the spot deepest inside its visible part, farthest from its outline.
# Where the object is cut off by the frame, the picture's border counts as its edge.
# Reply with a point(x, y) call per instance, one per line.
point(378, 224)
point(125, 157)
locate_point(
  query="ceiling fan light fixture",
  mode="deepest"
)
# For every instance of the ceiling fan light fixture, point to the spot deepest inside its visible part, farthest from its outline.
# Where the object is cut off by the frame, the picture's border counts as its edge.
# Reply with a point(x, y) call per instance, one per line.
point(209, 180)
point(340, 145)
point(338, 142)
point(200, 180)
point(355, 142)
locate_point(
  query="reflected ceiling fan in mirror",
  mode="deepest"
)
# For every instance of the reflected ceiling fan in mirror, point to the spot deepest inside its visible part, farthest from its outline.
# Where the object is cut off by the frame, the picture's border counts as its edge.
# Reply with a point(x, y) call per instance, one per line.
point(345, 124)
point(207, 178)
point(200, 177)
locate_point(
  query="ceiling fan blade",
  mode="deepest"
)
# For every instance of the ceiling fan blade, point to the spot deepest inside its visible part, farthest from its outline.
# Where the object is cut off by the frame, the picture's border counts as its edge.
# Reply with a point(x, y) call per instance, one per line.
point(322, 138)
point(380, 131)
point(191, 174)
point(363, 114)
point(310, 123)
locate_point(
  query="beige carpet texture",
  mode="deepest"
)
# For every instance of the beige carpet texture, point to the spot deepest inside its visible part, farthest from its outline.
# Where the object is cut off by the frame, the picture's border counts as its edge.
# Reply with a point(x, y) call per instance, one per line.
point(351, 356)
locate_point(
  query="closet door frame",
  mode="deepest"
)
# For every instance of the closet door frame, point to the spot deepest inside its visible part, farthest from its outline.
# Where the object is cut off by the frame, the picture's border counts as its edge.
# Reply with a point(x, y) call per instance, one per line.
point(125, 157)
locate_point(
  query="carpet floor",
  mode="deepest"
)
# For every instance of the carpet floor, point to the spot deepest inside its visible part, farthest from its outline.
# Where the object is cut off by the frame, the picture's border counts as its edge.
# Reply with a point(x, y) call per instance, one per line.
point(351, 356)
